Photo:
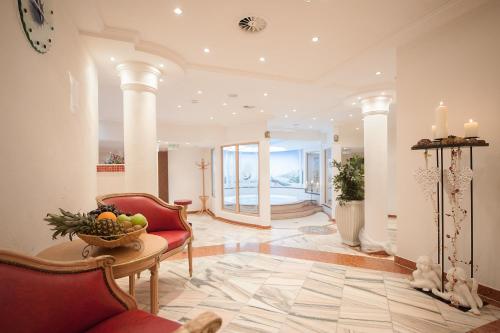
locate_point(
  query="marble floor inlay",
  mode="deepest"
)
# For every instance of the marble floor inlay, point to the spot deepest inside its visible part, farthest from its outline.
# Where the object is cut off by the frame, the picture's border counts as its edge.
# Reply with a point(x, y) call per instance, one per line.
point(255, 292)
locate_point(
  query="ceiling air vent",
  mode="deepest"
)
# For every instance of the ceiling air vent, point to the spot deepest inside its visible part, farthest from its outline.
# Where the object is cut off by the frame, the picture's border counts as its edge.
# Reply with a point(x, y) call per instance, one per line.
point(249, 107)
point(252, 24)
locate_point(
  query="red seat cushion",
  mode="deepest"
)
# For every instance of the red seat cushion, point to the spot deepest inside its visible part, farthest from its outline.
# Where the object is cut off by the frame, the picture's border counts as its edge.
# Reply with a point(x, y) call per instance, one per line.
point(135, 321)
point(175, 238)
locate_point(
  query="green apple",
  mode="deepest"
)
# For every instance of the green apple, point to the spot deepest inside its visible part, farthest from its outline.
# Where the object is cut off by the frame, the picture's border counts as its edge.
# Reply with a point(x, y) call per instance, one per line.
point(123, 218)
point(138, 219)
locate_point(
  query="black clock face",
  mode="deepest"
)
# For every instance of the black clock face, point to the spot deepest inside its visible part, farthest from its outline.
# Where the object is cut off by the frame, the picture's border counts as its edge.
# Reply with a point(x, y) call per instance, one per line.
point(37, 17)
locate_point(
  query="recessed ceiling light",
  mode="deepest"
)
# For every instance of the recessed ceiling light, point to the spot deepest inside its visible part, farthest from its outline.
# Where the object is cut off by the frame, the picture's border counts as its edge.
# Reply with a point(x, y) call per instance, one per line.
point(314, 118)
point(178, 11)
point(331, 119)
point(307, 1)
point(206, 50)
point(161, 80)
point(294, 110)
point(383, 93)
point(162, 65)
point(357, 128)
point(261, 110)
point(262, 59)
point(378, 73)
point(315, 39)
point(234, 113)
point(359, 98)
point(350, 115)
point(310, 126)
point(112, 59)
point(265, 94)
point(224, 104)
point(188, 143)
point(353, 103)
point(199, 92)
point(211, 118)
point(179, 106)
point(286, 116)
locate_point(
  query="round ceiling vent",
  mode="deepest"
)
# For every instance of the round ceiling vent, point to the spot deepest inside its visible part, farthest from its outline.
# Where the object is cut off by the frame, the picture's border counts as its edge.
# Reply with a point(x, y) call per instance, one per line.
point(252, 24)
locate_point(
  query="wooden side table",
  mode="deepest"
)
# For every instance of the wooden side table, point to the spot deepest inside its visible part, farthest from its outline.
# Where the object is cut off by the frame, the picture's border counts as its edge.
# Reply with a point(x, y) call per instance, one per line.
point(185, 203)
point(128, 261)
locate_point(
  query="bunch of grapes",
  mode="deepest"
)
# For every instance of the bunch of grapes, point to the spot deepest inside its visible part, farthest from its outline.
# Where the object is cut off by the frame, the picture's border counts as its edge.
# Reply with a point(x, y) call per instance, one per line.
point(105, 208)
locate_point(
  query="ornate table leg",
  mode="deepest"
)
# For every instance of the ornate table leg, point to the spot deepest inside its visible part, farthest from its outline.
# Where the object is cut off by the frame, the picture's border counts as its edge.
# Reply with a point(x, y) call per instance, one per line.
point(154, 286)
point(131, 285)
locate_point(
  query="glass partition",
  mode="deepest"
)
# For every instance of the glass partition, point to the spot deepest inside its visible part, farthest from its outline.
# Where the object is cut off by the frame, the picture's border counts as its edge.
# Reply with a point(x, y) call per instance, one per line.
point(240, 178)
point(312, 172)
point(229, 180)
point(248, 190)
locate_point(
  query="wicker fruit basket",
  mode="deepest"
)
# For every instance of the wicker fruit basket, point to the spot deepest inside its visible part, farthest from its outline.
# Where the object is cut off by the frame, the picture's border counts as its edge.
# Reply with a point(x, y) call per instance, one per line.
point(112, 243)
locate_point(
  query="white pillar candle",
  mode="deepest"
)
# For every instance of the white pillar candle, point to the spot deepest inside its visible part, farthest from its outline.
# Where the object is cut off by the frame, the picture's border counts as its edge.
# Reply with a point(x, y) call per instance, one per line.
point(471, 129)
point(433, 129)
point(441, 121)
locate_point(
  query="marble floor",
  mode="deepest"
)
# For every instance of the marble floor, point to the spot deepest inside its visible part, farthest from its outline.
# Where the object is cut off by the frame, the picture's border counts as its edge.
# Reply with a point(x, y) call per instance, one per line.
point(315, 232)
point(255, 292)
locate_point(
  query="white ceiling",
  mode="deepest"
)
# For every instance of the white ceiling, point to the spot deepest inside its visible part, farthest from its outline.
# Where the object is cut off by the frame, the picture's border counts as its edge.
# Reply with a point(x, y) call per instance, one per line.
point(357, 38)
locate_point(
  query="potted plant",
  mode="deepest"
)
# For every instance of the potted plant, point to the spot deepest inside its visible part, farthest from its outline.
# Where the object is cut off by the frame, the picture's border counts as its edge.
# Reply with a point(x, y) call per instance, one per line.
point(349, 184)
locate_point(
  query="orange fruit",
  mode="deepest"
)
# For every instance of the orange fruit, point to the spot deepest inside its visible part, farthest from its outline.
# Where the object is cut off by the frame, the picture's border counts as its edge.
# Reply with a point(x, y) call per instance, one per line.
point(107, 216)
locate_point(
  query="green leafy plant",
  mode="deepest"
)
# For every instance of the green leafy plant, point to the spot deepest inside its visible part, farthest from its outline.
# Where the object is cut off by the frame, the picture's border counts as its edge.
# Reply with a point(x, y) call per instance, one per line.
point(350, 181)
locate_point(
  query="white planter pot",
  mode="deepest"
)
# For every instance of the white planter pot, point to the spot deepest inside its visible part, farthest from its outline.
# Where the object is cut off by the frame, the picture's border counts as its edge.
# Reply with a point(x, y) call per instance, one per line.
point(350, 218)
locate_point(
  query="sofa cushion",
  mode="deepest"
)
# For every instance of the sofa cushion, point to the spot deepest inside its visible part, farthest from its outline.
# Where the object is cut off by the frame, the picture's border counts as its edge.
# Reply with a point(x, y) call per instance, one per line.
point(135, 321)
point(159, 217)
point(175, 238)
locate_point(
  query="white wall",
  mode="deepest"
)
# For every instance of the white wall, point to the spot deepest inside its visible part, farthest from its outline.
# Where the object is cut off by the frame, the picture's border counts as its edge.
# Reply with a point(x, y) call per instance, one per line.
point(111, 182)
point(392, 193)
point(185, 178)
point(48, 153)
point(457, 63)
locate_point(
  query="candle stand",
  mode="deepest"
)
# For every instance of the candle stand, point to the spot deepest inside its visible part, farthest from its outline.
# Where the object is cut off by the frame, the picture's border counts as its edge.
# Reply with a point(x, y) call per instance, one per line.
point(439, 146)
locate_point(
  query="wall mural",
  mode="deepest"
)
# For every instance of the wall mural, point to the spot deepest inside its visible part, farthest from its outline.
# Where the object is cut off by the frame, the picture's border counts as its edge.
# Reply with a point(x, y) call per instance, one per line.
point(286, 168)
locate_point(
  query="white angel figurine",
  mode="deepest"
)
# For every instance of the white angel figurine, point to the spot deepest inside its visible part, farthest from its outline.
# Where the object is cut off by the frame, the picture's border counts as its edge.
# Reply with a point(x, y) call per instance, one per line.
point(461, 290)
point(427, 275)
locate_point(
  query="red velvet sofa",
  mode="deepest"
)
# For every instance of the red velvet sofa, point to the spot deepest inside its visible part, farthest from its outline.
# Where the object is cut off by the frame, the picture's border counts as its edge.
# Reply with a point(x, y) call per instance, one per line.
point(38, 296)
point(164, 220)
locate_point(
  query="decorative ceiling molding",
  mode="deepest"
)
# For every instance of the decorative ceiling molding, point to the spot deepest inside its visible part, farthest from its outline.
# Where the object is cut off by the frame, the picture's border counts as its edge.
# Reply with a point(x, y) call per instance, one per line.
point(134, 38)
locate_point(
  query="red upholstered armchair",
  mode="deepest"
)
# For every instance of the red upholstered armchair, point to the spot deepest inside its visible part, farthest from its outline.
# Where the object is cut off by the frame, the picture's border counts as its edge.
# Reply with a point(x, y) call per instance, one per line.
point(164, 220)
point(37, 296)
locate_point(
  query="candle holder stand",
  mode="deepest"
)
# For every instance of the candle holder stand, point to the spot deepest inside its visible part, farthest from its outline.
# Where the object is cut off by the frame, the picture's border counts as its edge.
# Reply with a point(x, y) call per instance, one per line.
point(439, 146)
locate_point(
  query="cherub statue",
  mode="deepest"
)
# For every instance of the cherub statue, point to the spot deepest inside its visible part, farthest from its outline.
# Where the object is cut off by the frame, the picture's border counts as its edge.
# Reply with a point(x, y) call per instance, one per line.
point(427, 275)
point(461, 290)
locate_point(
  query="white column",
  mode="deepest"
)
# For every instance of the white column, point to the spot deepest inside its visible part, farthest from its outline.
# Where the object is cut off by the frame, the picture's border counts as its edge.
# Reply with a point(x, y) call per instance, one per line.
point(374, 237)
point(139, 82)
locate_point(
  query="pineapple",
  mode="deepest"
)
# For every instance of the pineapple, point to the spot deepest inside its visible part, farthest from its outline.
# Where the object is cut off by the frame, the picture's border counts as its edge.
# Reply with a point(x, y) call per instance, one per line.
point(70, 224)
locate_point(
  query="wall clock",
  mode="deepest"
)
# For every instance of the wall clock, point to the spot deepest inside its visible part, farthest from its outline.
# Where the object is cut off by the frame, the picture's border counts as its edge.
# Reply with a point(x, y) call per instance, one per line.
point(37, 17)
